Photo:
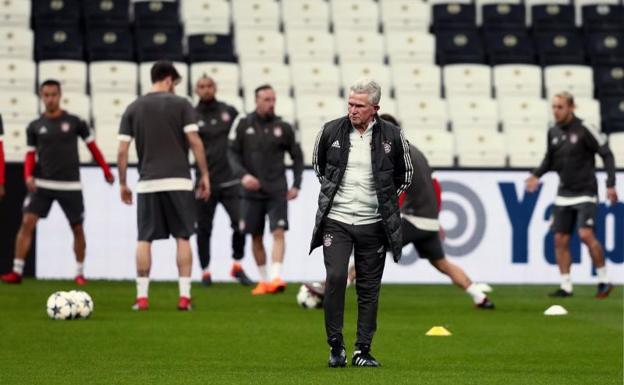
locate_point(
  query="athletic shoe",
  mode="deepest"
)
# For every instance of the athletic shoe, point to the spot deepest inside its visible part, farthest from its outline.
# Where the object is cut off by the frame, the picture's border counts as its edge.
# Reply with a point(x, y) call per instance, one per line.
point(238, 273)
point(560, 293)
point(80, 280)
point(485, 304)
point(337, 357)
point(140, 304)
point(261, 289)
point(363, 357)
point(184, 304)
point(603, 290)
point(11, 277)
point(206, 279)
point(277, 285)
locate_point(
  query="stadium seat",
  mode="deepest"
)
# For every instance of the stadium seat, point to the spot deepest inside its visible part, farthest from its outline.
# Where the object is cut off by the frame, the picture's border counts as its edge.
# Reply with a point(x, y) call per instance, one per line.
point(308, 139)
point(609, 81)
point(453, 15)
point(156, 14)
point(559, 47)
point(405, 15)
point(210, 47)
point(72, 74)
point(257, 15)
point(109, 108)
point(106, 137)
point(524, 113)
point(17, 74)
point(108, 13)
point(76, 104)
point(529, 4)
point(509, 47)
point(274, 74)
point(416, 80)
point(525, 148)
point(613, 114)
point(588, 110)
point(480, 148)
point(109, 43)
point(517, 80)
point(360, 46)
point(15, 14)
point(284, 108)
point(315, 79)
point(410, 47)
point(226, 75)
point(351, 72)
point(259, 46)
point(605, 48)
point(306, 15)
point(599, 15)
point(473, 80)
point(388, 106)
point(145, 80)
point(310, 46)
point(576, 79)
point(454, 46)
point(16, 43)
point(159, 43)
point(19, 108)
point(616, 142)
point(552, 17)
point(496, 15)
point(423, 113)
point(314, 110)
point(438, 146)
point(360, 15)
point(58, 43)
point(65, 13)
point(114, 77)
point(473, 113)
point(206, 17)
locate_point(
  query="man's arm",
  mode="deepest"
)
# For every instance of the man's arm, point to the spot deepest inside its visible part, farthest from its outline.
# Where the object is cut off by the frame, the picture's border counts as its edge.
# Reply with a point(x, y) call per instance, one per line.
point(197, 146)
point(294, 149)
point(30, 160)
point(403, 168)
point(319, 157)
point(87, 135)
point(235, 152)
point(599, 144)
point(531, 183)
point(122, 165)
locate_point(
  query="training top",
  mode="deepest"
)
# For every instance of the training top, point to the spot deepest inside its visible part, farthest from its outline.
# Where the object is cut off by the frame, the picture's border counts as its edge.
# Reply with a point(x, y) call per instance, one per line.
point(571, 152)
point(421, 204)
point(55, 141)
point(158, 123)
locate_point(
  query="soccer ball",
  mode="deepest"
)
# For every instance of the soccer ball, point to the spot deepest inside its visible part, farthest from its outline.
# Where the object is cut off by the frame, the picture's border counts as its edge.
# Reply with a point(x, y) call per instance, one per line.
point(60, 306)
point(309, 296)
point(83, 303)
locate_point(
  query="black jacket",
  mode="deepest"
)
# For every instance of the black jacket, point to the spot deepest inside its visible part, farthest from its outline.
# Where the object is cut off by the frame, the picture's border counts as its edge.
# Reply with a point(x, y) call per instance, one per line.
point(258, 149)
point(571, 152)
point(392, 170)
point(420, 197)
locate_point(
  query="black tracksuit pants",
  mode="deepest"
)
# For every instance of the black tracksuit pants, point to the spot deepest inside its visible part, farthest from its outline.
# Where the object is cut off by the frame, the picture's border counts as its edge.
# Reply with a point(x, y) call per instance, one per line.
point(368, 242)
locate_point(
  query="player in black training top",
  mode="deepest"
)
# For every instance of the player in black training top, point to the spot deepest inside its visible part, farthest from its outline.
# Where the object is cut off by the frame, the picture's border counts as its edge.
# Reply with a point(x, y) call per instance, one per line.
point(215, 120)
point(52, 173)
point(257, 157)
point(163, 127)
point(1, 159)
point(571, 152)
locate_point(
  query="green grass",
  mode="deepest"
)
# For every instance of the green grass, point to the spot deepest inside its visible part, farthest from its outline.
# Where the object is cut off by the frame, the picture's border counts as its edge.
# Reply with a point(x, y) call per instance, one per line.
point(234, 338)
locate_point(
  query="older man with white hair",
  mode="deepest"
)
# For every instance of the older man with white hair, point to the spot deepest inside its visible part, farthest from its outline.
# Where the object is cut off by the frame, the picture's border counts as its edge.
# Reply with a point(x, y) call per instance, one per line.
point(363, 164)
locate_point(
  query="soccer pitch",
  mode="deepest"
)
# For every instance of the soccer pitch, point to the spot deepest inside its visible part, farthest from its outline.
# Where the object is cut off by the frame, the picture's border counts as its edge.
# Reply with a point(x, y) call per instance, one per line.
point(233, 338)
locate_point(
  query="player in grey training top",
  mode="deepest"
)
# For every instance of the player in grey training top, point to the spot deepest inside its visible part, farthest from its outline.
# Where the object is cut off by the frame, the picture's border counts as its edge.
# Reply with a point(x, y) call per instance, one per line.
point(571, 152)
point(164, 127)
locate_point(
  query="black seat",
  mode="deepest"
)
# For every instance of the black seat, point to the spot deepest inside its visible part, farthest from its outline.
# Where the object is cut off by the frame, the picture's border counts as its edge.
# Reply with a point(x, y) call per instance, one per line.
point(559, 48)
point(110, 44)
point(159, 43)
point(605, 48)
point(609, 81)
point(62, 43)
point(504, 16)
point(454, 16)
point(108, 13)
point(603, 18)
point(552, 17)
point(455, 46)
point(56, 12)
point(509, 47)
point(211, 47)
point(156, 14)
point(612, 114)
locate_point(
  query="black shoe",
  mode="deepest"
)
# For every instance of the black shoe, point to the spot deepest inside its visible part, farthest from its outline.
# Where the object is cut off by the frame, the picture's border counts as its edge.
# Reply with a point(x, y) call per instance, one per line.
point(560, 293)
point(362, 357)
point(337, 357)
point(206, 279)
point(603, 290)
point(486, 304)
point(240, 275)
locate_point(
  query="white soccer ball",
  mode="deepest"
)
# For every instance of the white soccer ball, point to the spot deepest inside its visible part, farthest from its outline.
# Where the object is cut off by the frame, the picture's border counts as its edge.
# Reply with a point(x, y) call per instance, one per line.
point(83, 303)
point(60, 306)
point(309, 299)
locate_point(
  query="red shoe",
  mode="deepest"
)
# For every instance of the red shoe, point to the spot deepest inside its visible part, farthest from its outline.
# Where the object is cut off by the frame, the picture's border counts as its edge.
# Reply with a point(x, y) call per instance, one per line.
point(140, 304)
point(80, 280)
point(261, 288)
point(184, 304)
point(11, 277)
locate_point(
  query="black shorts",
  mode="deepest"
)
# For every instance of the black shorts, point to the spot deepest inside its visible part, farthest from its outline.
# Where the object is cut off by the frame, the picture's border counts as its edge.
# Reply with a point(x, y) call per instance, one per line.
point(40, 202)
point(254, 212)
point(165, 213)
point(427, 243)
point(567, 218)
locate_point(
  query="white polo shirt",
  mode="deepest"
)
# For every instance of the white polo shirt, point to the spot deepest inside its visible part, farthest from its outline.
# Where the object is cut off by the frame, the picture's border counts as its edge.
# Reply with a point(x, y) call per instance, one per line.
point(355, 202)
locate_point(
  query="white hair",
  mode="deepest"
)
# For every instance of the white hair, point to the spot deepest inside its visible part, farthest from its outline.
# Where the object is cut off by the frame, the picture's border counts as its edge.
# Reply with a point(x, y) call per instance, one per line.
point(367, 86)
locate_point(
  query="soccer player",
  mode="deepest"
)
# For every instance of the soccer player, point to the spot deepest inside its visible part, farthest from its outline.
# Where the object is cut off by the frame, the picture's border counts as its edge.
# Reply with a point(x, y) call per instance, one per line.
point(52, 173)
point(163, 127)
point(571, 151)
point(257, 157)
point(215, 121)
point(363, 164)
point(1, 160)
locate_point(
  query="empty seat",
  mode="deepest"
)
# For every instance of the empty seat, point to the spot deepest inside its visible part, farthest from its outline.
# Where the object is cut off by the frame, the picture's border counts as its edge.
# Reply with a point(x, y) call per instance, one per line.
point(314, 110)
point(17, 74)
point(351, 72)
point(308, 15)
point(109, 43)
point(588, 110)
point(524, 113)
point(605, 48)
point(16, 43)
point(438, 146)
point(467, 80)
point(525, 148)
point(70, 73)
point(473, 113)
point(416, 79)
point(145, 79)
point(284, 108)
point(226, 75)
point(310, 46)
point(480, 148)
point(616, 142)
point(15, 14)
point(59, 43)
point(211, 47)
point(206, 17)
point(106, 137)
point(107, 13)
point(559, 47)
point(454, 46)
point(59, 13)
point(109, 108)
point(423, 113)
point(265, 46)
point(454, 15)
point(502, 15)
point(552, 17)
point(609, 81)
point(613, 114)
point(255, 15)
point(360, 46)
point(256, 74)
point(517, 80)
point(308, 136)
point(315, 78)
point(599, 15)
point(509, 47)
point(159, 44)
point(405, 15)
point(362, 15)
point(578, 80)
point(410, 47)
point(18, 108)
point(114, 77)
point(156, 14)
point(530, 3)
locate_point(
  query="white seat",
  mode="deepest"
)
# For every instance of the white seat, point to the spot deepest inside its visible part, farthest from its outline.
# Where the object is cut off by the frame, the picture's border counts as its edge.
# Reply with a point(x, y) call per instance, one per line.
point(314, 110)
point(525, 148)
point(19, 107)
point(315, 78)
point(467, 80)
point(360, 46)
point(616, 142)
point(72, 74)
point(145, 77)
point(520, 114)
point(576, 79)
point(578, 5)
point(438, 146)
point(15, 13)
point(14, 141)
point(285, 108)
point(114, 76)
point(308, 15)
point(255, 15)
point(388, 106)
point(76, 104)
point(423, 113)
point(308, 136)
point(530, 3)
point(362, 15)
point(226, 75)
point(351, 72)
point(106, 138)
point(416, 79)
point(16, 43)
point(206, 16)
point(410, 47)
point(480, 148)
point(256, 74)
point(434, 2)
point(109, 108)
point(405, 15)
point(310, 46)
point(480, 3)
point(260, 46)
point(512, 80)
point(588, 110)
point(18, 74)
point(473, 114)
